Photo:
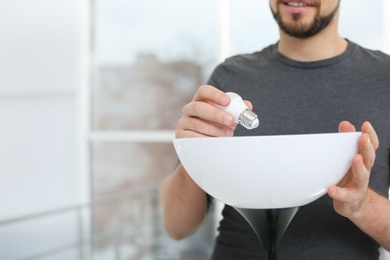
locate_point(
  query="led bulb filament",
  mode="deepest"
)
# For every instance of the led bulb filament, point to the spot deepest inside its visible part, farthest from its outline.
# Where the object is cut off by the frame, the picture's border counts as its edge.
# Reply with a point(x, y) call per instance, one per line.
point(242, 114)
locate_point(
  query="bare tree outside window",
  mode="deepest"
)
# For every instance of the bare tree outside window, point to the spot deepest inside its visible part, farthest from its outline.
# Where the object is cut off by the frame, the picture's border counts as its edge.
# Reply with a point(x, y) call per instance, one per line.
point(146, 95)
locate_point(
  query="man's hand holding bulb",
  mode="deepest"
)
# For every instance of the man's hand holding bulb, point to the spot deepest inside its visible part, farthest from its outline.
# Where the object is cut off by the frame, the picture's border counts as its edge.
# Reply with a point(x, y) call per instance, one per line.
point(204, 117)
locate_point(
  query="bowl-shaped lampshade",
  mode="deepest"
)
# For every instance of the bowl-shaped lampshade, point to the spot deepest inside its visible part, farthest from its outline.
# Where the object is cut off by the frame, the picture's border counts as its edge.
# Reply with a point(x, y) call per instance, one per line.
point(268, 171)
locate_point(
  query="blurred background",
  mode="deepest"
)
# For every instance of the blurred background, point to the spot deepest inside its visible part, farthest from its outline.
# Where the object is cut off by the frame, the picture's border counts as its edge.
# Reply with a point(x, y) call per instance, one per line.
point(90, 95)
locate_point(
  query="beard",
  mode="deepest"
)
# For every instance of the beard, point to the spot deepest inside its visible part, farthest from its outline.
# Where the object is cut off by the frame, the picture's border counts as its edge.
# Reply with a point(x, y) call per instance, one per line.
point(302, 31)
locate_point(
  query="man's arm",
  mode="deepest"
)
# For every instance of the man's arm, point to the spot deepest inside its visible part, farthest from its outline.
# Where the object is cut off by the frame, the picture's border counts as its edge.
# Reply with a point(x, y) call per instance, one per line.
point(184, 204)
point(374, 218)
point(353, 199)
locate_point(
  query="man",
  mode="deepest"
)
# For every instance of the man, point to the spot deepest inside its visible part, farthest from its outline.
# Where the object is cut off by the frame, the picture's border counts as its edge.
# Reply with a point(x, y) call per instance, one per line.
point(308, 82)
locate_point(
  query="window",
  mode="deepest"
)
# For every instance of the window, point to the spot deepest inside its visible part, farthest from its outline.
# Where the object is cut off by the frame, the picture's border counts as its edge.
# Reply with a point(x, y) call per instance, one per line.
point(150, 58)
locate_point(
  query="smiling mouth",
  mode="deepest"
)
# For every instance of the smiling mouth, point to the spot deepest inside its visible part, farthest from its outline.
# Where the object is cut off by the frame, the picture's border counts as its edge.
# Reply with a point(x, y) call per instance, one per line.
point(296, 4)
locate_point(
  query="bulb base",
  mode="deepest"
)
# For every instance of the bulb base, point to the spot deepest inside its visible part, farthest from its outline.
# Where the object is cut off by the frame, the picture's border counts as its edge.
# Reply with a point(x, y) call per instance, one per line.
point(248, 119)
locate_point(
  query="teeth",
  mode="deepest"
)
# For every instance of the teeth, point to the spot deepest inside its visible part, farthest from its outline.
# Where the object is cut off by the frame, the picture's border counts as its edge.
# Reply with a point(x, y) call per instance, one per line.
point(295, 4)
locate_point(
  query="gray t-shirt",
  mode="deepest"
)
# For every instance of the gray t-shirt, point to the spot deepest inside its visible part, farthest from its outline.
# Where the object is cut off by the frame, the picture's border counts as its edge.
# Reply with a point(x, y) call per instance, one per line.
point(293, 97)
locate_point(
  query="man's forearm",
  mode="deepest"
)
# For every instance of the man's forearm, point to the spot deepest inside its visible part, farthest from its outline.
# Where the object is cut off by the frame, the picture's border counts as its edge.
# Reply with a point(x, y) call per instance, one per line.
point(184, 204)
point(374, 218)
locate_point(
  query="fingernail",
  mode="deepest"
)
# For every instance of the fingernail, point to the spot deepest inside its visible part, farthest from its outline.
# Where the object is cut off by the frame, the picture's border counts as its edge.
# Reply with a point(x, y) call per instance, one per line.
point(229, 133)
point(368, 141)
point(228, 120)
point(225, 100)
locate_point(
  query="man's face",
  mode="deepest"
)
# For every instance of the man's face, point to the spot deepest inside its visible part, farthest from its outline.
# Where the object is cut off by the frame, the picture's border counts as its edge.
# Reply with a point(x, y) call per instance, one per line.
point(303, 18)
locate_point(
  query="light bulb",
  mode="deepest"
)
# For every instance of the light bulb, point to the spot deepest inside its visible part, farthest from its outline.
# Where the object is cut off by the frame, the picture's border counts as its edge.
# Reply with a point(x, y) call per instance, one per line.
point(242, 114)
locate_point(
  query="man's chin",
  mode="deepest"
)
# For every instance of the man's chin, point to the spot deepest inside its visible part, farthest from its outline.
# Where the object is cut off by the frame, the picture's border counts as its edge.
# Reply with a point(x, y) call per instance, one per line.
point(298, 29)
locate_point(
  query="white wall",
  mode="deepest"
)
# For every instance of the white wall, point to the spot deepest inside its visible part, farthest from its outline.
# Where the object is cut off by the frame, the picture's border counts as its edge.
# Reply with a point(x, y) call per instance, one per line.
point(40, 79)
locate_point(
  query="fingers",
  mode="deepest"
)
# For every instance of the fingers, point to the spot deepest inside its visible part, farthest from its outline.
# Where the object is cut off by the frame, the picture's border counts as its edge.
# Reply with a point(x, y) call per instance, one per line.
point(196, 127)
point(360, 174)
point(208, 112)
point(367, 128)
point(354, 191)
point(207, 93)
point(346, 126)
point(368, 142)
point(201, 117)
point(367, 151)
point(248, 104)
